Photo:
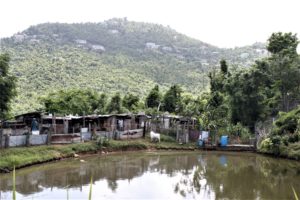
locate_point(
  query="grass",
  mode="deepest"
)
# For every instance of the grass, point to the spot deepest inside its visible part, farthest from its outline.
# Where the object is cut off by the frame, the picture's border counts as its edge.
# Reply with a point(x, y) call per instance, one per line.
point(25, 156)
point(91, 189)
point(14, 184)
point(291, 151)
point(20, 157)
point(295, 194)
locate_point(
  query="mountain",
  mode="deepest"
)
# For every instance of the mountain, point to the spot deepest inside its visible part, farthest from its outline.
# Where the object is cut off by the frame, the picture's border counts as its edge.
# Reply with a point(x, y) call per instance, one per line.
point(116, 55)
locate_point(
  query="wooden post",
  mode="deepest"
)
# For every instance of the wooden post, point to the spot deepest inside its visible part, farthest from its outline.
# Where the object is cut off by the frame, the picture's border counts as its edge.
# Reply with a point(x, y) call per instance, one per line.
point(177, 133)
point(144, 130)
point(1, 138)
point(28, 139)
point(80, 134)
point(54, 123)
point(6, 141)
point(83, 120)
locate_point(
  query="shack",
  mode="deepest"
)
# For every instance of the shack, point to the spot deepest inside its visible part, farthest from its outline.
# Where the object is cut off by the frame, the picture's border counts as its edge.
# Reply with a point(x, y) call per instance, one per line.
point(69, 129)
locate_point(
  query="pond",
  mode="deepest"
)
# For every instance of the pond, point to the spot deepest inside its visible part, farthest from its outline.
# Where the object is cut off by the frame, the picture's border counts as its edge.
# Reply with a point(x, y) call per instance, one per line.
point(158, 175)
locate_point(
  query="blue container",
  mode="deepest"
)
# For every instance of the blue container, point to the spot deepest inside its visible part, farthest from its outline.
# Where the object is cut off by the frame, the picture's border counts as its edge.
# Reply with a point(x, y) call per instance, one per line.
point(224, 140)
point(200, 143)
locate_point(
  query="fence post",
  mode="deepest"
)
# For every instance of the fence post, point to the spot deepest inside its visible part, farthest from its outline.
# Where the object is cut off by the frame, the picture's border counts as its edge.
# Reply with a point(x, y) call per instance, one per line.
point(28, 139)
point(49, 138)
point(1, 138)
point(177, 133)
point(6, 141)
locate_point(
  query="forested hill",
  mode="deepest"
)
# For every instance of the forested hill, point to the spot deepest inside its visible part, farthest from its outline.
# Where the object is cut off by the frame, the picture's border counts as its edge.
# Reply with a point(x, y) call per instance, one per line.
point(113, 56)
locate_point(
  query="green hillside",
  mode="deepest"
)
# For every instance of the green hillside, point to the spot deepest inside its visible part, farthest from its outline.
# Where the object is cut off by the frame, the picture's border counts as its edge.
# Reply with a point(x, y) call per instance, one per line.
point(113, 56)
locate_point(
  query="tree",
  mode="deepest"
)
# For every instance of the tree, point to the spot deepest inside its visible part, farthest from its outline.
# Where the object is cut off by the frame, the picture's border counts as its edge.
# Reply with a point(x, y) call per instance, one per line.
point(7, 85)
point(247, 95)
point(224, 67)
point(130, 101)
point(115, 105)
point(217, 108)
point(285, 69)
point(283, 43)
point(153, 99)
point(102, 103)
point(172, 101)
point(75, 101)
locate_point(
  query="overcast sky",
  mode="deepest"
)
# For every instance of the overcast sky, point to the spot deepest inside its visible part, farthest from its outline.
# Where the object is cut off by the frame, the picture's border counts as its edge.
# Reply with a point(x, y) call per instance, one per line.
point(224, 23)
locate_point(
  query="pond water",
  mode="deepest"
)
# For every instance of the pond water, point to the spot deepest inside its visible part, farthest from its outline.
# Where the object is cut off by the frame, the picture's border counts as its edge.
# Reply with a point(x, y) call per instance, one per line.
point(158, 175)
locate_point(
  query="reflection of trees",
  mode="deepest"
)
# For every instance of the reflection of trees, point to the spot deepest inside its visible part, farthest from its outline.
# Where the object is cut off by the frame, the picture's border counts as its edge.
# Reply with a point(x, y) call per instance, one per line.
point(229, 176)
point(113, 185)
point(76, 174)
point(241, 178)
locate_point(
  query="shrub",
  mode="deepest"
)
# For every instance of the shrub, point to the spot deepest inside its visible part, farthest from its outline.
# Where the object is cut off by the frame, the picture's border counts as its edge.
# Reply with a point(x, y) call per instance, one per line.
point(102, 141)
point(166, 138)
point(287, 122)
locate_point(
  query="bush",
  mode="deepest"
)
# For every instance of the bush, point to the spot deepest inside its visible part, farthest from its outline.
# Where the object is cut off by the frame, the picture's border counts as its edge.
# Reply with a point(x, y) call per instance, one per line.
point(239, 130)
point(102, 141)
point(266, 145)
point(166, 138)
point(287, 122)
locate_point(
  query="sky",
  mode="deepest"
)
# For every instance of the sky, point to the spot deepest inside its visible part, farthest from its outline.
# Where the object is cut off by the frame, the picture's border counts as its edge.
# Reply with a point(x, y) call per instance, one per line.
point(223, 23)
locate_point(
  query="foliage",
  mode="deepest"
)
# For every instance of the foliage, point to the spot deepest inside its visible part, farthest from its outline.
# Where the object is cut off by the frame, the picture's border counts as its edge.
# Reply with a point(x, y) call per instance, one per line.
point(24, 156)
point(102, 104)
point(217, 108)
point(287, 123)
point(191, 107)
point(115, 105)
point(238, 130)
point(102, 141)
point(172, 99)
point(7, 85)
point(247, 95)
point(52, 56)
point(166, 138)
point(75, 101)
point(131, 102)
point(285, 43)
point(153, 100)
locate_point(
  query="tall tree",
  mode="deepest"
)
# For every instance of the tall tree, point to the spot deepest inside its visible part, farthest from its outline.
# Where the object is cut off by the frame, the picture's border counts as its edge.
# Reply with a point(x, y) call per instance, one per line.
point(102, 103)
point(217, 108)
point(285, 69)
point(130, 101)
point(224, 67)
point(247, 93)
point(115, 105)
point(153, 99)
point(75, 101)
point(172, 101)
point(283, 43)
point(7, 85)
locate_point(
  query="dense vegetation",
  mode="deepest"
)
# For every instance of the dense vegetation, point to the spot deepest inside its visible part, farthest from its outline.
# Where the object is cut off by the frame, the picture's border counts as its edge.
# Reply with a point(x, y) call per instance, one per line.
point(113, 56)
point(110, 67)
point(268, 89)
point(7, 86)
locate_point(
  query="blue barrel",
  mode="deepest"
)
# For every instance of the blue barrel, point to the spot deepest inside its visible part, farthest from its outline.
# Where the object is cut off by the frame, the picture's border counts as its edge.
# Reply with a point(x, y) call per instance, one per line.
point(224, 140)
point(200, 143)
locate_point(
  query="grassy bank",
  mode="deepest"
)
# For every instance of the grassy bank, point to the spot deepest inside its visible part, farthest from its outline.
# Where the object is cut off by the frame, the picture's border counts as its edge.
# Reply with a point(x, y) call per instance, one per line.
point(291, 151)
point(26, 156)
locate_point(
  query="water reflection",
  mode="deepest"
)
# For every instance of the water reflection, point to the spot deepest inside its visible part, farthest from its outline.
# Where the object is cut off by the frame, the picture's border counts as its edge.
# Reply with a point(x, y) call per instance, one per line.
point(210, 175)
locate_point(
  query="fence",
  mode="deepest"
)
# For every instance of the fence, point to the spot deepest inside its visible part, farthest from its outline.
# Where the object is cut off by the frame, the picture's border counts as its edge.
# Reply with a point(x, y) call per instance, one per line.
point(22, 140)
point(182, 132)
